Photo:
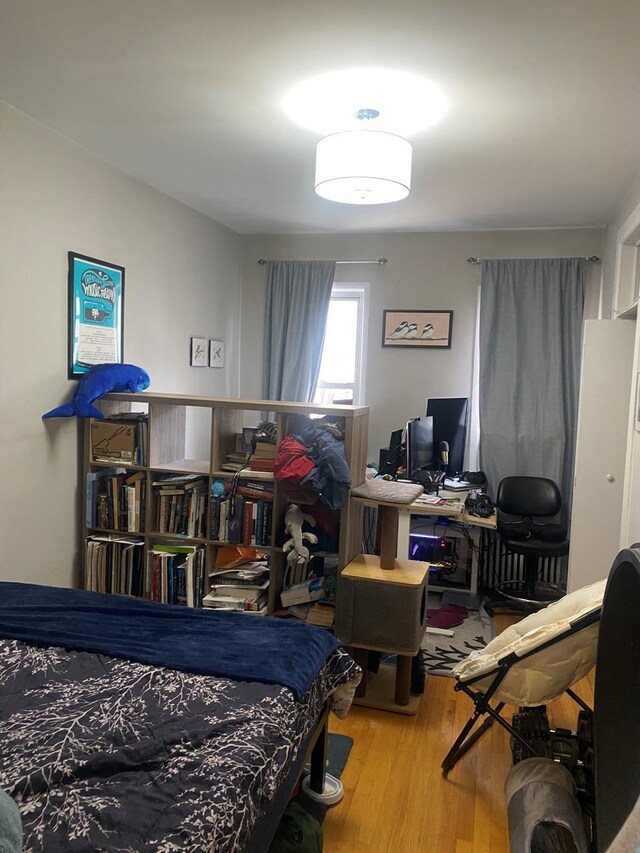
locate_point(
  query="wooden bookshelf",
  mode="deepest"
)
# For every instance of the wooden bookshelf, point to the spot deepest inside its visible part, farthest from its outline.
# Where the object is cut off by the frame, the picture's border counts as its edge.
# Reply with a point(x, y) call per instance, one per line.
point(194, 435)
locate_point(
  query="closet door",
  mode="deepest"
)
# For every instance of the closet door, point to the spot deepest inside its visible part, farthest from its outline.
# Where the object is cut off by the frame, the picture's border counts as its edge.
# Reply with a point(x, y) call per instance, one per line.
point(603, 414)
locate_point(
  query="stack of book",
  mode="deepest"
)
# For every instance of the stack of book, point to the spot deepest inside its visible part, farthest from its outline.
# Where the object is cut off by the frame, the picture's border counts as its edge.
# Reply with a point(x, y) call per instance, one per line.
point(116, 500)
point(175, 574)
point(181, 502)
point(249, 521)
point(263, 457)
point(301, 593)
point(234, 461)
point(114, 564)
point(243, 588)
point(322, 613)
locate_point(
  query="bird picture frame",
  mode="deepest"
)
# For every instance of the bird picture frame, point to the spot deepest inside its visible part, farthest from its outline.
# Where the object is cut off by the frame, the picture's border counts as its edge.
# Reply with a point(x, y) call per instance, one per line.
point(417, 328)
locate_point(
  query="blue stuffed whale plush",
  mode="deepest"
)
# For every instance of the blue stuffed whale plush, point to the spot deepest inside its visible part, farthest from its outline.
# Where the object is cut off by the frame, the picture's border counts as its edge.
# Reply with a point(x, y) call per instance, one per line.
point(96, 382)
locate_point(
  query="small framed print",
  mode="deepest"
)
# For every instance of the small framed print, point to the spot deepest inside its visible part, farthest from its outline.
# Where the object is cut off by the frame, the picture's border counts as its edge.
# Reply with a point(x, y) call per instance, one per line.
point(198, 352)
point(417, 328)
point(216, 353)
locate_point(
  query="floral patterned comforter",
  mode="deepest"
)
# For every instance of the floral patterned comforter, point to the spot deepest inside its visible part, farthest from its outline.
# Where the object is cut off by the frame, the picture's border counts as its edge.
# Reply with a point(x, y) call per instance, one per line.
point(103, 754)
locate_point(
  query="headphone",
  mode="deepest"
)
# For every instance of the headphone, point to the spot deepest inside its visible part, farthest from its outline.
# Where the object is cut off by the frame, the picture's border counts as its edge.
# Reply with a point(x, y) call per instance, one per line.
point(475, 478)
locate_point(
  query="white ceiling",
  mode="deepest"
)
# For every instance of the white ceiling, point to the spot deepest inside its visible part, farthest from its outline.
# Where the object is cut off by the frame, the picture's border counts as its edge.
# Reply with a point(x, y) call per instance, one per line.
point(543, 127)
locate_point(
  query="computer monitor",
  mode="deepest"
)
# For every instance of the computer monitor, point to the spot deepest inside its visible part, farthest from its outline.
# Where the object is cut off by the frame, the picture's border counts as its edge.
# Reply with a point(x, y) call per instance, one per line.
point(450, 424)
point(392, 457)
point(419, 449)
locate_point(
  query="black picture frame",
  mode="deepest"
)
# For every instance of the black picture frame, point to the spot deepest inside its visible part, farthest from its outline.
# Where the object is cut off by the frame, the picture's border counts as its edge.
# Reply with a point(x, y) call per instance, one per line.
point(95, 313)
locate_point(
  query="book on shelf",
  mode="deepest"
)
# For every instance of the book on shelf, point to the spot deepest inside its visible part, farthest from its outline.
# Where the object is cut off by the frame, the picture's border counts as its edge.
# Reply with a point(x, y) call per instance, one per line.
point(300, 611)
point(235, 603)
point(264, 450)
point(93, 486)
point(116, 501)
point(175, 481)
point(238, 456)
point(181, 505)
point(246, 575)
point(114, 564)
point(261, 464)
point(297, 573)
point(248, 591)
point(247, 523)
point(259, 489)
point(300, 593)
point(235, 512)
point(175, 574)
point(322, 613)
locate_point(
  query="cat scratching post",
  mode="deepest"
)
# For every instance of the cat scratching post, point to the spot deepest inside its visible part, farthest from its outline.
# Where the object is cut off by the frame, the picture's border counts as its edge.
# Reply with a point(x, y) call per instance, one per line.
point(382, 606)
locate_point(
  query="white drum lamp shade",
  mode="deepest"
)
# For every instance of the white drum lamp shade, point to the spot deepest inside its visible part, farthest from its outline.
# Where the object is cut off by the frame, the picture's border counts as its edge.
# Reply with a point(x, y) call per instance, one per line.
point(363, 167)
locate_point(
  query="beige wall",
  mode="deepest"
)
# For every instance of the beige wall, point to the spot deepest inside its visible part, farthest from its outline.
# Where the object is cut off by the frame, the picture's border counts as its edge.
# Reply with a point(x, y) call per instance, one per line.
point(427, 271)
point(182, 279)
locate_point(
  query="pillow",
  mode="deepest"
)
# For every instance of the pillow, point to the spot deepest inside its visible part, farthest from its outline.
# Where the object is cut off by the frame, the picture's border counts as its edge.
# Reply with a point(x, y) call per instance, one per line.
point(10, 825)
point(388, 490)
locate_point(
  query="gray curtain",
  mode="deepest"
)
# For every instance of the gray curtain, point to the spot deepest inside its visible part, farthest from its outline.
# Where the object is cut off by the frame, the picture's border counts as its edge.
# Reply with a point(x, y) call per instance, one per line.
point(530, 350)
point(298, 296)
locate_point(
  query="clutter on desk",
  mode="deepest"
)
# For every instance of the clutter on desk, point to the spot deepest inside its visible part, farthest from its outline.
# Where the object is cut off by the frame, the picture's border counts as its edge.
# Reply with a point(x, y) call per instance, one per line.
point(479, 504)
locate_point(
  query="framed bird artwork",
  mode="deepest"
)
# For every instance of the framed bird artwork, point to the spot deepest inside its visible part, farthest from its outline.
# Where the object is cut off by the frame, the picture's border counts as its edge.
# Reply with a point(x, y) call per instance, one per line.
point(430, 329)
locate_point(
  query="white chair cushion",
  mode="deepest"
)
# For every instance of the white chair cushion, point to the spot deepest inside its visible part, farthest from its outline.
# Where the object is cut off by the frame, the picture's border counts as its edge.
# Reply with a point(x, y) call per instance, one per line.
point(544, 676)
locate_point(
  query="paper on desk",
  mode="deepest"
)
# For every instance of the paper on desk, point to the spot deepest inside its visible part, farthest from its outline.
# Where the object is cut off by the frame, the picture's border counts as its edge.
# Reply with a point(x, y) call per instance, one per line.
point(433, 500)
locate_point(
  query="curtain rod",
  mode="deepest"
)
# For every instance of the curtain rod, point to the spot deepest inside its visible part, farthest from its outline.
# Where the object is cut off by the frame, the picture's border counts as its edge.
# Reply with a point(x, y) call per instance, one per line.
point(594, 259)
point(379, 261)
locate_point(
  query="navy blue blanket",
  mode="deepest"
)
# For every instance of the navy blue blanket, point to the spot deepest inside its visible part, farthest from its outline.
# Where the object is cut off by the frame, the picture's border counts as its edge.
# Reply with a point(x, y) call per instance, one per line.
point(227, 645)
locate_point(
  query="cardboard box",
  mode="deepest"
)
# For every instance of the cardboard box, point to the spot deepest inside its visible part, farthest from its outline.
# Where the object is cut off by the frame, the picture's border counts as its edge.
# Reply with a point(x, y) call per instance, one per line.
point(113, 442)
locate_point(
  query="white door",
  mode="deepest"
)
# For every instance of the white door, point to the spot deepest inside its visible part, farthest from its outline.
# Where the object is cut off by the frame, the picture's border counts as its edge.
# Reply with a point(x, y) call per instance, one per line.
point(603, 415)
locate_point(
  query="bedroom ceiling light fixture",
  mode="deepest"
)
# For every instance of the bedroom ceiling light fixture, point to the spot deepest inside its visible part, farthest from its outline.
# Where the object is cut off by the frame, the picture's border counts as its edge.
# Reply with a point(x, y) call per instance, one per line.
point(365, 114)
point(363, 167)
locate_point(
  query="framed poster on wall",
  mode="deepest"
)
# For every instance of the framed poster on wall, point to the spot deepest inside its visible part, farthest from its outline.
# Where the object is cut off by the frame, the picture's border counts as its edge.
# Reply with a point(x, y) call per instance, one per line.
point(417, 328)
point(96, 305)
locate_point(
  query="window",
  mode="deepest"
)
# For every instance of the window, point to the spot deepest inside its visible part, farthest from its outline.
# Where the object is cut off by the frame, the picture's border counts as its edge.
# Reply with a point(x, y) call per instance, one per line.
point(341, 377)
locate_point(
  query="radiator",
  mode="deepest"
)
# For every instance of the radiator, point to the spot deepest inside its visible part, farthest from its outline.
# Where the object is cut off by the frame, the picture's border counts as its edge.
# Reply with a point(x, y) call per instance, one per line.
point(498, 564)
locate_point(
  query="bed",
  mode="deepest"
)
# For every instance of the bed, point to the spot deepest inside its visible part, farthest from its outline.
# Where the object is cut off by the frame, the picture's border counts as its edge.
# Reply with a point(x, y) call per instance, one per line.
point(107, 743)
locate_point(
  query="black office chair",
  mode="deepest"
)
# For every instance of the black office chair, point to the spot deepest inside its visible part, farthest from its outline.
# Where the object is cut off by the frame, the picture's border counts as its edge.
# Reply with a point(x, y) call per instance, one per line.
point(523, 503)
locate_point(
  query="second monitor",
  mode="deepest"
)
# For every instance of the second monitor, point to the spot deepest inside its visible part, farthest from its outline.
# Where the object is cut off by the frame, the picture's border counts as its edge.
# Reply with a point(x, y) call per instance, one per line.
point(450, 424)
point(419, 449)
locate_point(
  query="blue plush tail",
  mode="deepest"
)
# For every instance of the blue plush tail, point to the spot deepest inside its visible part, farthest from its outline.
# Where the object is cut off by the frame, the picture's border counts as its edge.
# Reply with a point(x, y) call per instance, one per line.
point(75, 407)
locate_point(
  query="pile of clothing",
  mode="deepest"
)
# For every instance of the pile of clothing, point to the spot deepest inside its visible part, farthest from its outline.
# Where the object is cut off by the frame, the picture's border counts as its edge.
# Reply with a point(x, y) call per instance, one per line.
point(312, 465)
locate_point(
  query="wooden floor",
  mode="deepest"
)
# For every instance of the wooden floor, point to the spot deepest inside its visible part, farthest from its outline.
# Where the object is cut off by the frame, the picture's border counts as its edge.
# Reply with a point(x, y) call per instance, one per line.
point(396, 800)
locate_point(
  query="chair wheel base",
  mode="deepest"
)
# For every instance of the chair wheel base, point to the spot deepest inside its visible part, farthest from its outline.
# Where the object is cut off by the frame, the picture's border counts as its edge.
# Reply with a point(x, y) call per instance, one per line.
point(539, 595)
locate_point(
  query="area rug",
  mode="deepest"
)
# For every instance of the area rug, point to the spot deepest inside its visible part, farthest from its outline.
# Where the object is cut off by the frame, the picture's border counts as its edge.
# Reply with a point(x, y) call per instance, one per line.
point(441, 653)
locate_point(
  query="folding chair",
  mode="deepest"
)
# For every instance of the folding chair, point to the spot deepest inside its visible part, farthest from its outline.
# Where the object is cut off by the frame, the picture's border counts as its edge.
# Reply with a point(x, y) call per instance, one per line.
point(531, 663)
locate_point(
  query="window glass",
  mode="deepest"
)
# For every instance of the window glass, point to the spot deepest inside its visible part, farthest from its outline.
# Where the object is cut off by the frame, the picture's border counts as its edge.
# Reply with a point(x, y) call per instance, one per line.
point(340, 376)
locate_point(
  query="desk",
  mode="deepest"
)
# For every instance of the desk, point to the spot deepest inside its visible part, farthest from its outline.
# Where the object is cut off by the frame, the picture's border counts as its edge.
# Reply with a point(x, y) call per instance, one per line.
point(456, 511)
point(473, 525)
